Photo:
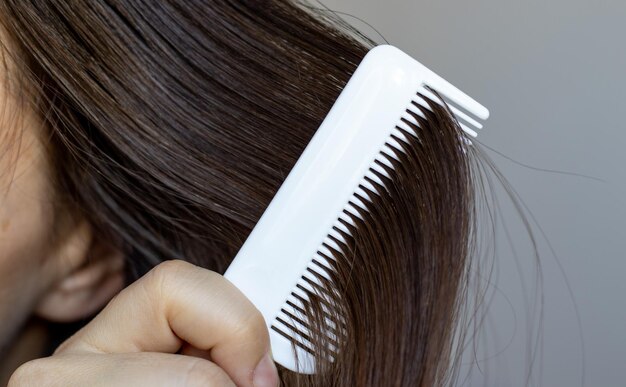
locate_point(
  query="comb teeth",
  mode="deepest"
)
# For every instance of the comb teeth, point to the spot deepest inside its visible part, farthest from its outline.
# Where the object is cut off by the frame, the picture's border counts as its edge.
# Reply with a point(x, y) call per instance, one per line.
point(290, 254)
point(469, 124)
point(292, 322)
point(465, 121)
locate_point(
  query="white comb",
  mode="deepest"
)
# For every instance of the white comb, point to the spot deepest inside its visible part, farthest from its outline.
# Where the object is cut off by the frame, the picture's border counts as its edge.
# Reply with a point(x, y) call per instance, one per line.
point(276, 263)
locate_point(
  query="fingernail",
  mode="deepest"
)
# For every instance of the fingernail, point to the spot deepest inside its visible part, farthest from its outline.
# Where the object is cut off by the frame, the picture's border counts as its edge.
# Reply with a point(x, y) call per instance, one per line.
point(265, 373)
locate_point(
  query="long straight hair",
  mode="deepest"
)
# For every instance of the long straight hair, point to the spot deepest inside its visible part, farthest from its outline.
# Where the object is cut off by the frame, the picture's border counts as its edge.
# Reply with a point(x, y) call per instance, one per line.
point(173, 123)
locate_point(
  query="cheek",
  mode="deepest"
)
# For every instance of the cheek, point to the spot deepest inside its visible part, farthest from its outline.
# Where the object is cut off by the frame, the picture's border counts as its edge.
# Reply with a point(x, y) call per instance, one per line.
point(24, 229)
point(25, 234)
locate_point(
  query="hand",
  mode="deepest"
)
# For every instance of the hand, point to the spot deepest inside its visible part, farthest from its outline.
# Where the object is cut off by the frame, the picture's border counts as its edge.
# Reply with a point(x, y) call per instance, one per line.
point(221, 336)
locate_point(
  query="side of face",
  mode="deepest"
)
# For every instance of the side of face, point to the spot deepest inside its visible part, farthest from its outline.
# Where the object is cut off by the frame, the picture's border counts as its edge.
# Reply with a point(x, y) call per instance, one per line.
point(51, 264)
point(27, 218)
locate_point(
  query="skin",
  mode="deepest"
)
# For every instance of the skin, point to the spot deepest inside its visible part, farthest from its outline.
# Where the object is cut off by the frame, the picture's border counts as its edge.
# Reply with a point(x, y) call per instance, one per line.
point(179, 325)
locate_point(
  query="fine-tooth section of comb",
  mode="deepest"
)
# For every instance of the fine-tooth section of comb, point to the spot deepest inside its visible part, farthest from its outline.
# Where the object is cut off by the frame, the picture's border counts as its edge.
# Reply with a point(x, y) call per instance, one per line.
point(287, 263)
point(292, 322)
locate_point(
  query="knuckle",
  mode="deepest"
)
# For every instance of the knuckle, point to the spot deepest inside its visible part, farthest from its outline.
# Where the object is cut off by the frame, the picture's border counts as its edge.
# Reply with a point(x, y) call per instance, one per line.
point(168, 268)
point(202, 373)
point(164, 273)
point(159, 283)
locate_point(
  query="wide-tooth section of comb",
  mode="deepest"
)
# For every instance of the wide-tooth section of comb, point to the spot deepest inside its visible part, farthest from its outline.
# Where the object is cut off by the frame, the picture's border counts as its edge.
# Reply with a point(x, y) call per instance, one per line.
point(286, 263)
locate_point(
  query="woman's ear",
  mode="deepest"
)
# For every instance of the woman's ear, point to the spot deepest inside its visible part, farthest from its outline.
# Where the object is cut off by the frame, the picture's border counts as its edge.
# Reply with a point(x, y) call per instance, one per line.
point(90, 273)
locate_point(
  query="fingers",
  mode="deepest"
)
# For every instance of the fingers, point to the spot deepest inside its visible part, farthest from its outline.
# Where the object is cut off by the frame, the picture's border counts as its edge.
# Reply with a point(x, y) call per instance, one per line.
point(136, 369)
point(175, 303)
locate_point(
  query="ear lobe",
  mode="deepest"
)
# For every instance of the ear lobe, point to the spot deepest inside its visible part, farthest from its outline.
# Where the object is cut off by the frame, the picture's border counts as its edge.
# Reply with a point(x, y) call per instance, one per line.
point(86, 289)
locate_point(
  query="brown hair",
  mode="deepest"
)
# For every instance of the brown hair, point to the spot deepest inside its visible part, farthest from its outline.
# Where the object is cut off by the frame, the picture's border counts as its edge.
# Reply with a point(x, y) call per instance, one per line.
point(174, 122)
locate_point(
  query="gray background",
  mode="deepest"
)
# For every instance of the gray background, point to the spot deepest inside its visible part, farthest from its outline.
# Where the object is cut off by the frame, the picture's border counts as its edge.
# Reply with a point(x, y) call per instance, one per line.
point(552, 74)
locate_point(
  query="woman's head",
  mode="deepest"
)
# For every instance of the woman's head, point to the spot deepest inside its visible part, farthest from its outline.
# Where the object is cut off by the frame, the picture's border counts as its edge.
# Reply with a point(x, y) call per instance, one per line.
point(163, 129)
